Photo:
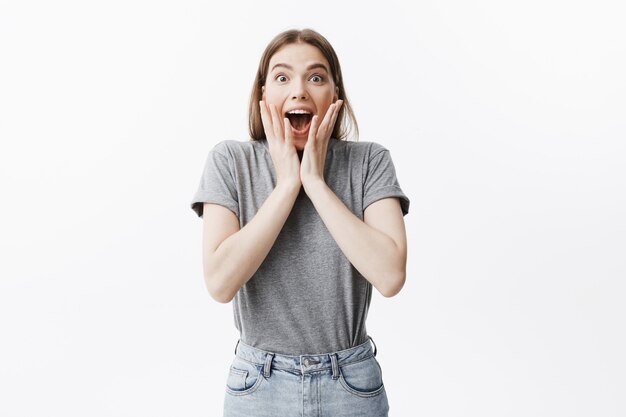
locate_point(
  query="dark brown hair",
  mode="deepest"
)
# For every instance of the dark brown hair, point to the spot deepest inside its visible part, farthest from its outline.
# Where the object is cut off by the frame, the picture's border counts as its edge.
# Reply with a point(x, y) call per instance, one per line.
point(345, 119)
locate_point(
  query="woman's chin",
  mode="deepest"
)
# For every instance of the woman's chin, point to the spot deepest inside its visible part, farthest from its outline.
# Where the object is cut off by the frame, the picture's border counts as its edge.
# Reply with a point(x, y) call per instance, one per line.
point(299, 143)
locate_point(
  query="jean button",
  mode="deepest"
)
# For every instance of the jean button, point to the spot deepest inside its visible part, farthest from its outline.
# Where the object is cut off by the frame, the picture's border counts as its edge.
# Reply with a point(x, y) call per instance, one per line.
point(306, 362)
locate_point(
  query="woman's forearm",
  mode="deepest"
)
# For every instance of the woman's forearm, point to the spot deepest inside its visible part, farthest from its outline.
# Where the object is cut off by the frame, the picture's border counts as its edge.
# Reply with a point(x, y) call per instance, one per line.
point(238, 257)
point(374, 254)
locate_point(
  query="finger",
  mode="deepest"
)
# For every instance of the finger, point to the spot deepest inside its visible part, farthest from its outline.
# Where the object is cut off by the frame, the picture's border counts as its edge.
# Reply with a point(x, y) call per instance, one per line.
point(313, 129)
point(288, 135)
point(266, 121)
point(278, 126)
point(327, 118)
point(338, 105)
point(335, 115)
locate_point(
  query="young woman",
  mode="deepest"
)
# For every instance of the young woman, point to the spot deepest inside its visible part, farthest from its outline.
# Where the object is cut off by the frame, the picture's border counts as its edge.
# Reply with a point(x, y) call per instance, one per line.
point(299, 226)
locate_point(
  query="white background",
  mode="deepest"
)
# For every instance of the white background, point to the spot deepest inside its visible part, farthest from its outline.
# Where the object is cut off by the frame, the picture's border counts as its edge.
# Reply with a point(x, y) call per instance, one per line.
point(506, 123)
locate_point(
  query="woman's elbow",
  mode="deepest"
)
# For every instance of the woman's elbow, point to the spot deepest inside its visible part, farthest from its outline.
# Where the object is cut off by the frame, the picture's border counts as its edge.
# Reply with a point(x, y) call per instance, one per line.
point(394, 285)
point(218, 292)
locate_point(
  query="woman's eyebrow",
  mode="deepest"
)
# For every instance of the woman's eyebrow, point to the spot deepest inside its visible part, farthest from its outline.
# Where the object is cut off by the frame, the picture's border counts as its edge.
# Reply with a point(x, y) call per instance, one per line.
point(310, 67)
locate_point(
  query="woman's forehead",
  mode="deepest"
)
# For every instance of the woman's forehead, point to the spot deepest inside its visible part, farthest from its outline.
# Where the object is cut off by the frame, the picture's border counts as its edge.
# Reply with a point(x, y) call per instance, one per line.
point(298, 55)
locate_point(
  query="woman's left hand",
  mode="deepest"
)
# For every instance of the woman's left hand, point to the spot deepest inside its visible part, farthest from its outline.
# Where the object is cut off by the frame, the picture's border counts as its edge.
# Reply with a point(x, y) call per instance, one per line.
point(314, 155)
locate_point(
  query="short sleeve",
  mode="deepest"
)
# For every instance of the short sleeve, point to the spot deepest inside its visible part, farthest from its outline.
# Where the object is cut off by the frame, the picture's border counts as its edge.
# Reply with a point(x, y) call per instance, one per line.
point(217, 183)
point(380, 179)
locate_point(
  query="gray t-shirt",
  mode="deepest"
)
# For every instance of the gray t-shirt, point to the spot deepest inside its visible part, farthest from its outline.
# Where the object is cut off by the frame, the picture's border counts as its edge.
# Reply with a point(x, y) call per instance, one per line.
point(305, 297)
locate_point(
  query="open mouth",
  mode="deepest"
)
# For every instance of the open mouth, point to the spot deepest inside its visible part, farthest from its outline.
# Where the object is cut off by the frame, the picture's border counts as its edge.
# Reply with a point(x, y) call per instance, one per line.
point(300, 123)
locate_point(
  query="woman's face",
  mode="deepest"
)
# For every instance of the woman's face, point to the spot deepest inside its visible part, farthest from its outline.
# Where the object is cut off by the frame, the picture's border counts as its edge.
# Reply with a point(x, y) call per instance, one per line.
point(299, 78)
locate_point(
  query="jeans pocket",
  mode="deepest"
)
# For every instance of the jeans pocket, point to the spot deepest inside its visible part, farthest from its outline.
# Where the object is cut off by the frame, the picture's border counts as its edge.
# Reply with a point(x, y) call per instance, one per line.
point(243, 377)
point(363, 378)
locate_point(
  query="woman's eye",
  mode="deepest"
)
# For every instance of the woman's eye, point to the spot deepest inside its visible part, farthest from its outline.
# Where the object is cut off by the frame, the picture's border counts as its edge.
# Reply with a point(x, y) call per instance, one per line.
point(315, 78)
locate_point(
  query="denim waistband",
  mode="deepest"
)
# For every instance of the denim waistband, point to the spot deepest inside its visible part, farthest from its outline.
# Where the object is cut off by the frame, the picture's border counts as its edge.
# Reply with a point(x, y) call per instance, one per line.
point(305, 363)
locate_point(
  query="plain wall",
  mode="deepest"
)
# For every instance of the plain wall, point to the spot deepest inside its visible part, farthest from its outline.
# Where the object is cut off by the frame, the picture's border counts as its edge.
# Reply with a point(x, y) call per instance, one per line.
point(505, 121)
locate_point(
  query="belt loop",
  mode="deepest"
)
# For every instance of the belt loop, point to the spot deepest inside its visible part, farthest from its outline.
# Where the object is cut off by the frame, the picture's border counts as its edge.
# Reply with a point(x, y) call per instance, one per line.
point(268, 364)
point(237, 345)
point(333, 360)
point(375, 350)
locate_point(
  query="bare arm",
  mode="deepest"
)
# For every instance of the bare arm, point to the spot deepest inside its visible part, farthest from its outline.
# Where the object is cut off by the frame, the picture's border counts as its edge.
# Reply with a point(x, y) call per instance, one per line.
point(375, 246)
point(232, 255)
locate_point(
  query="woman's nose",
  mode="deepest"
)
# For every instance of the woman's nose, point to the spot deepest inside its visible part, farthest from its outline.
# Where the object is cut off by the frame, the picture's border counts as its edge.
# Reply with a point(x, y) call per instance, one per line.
point(299, 91)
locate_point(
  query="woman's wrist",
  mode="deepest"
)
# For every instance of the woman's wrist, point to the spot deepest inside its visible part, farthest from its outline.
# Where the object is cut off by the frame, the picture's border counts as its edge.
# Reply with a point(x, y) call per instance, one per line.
point(312, 183)
point(289, 186)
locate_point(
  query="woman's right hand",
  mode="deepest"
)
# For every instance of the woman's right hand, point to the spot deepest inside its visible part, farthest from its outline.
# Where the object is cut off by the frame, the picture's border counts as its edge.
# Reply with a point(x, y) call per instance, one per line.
point(281, 147)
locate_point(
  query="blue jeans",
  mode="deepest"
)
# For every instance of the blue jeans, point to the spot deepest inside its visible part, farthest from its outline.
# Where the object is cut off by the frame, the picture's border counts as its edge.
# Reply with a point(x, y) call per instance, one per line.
point(347, 383)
